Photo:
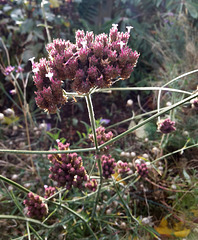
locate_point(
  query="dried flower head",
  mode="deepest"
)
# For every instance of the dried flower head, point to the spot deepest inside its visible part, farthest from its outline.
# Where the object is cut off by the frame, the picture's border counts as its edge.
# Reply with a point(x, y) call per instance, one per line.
point(102, 137)
point(194, 103)
point(166, 126)
point(122, 167)
point(49, 191)
point(91, 185)
point(89, 63)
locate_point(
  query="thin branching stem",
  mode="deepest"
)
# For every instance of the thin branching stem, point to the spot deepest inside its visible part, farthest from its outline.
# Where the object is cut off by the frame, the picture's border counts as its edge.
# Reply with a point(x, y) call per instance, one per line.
point(9, 181)
point(176, 151)
point(92, 119)
point(125, 205)
point(45, 21)
point(26, 219)
point(144, 89)
point(77, 215)
point(93, 125)
point(14, 151)
point(148, 120)
point(6, 50)
point(173, 80)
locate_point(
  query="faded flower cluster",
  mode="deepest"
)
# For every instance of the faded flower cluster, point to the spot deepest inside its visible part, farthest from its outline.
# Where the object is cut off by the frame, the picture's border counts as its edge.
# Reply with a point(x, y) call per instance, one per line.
point(166, 126)
point(93, 61)
point(49, 191)
point(102, 137)
point(67, 169)
point(91, 185)
point(122, 167)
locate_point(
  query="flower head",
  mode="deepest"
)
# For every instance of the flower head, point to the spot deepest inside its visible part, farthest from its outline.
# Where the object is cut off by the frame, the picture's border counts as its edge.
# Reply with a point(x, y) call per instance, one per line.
point(194, 103)
point(49, 191)
point(102, 137)
point(36, 207)
point(8, 70)
point(108, 165)
point(166, 126)
point(122, 167)
point(67, 169)
point(91, 185)
point(90, 62)
point(141, 168)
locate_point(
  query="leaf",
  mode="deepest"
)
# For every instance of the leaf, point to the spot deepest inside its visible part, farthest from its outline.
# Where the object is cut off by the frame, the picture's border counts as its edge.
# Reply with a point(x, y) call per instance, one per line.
point(54, 3)
point(186, 176)
point(192, 10)
point(139, 132)
point(27, 26)
point(54, 136)
point(8, 120)
point(178, 230)
point(158, 3)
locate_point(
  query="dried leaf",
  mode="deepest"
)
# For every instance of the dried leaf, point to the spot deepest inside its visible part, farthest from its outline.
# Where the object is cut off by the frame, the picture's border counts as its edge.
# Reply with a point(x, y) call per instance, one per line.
point(178, 230)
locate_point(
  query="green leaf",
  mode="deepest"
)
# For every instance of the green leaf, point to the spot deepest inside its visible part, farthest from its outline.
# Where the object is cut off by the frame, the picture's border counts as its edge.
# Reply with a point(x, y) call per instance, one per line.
point(27, 26)
point(158, 3)
point(54, 136)
point(192, 10)
point(186, 176)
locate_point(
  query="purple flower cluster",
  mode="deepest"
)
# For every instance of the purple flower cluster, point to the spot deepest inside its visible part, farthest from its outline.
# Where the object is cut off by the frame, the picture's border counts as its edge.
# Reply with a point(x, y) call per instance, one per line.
point(166, 126)
point(91, 185)
point(8, 70)
point(108, 165)
point(50, 94)
point(35, 206)
point(102, 137)
point(122, 167)
point(49, 191)
point(67, 169)
point(90, 62)
point(19, 69)
point(142, 169)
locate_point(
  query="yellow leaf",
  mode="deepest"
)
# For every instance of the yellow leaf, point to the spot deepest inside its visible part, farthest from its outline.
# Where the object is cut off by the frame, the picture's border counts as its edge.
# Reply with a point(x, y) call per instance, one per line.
point(54, 3)
point(195, 212)
point(117, 177)
point(178, 230)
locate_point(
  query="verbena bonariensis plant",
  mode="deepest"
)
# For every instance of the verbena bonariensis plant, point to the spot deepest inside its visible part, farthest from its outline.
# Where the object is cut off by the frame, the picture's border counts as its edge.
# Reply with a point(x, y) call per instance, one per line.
point(92, 63)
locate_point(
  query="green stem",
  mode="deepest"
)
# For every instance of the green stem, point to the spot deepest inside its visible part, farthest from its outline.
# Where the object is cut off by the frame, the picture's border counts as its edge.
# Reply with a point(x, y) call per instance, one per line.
point(132, 118)
point(52, 202)
point(171, 81)
point(147, 120)
point(14, 151)
point(144, 89)
point(5, 179)
point(77, 215)
point(26, 219)
point(92, 119)
point(125, 205)
point(45, 22)
point(179, 150)
point(93, 125)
